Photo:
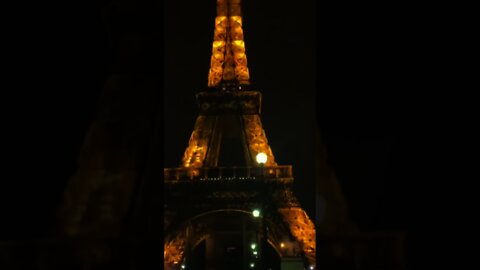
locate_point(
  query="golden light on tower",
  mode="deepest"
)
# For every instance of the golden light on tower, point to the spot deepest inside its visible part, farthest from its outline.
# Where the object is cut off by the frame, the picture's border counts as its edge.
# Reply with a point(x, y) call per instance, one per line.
point(229, 60)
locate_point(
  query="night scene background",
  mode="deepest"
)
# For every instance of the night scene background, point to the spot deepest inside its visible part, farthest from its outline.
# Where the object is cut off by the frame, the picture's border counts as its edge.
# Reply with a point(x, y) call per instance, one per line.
point(281, 59)
point(355, 71)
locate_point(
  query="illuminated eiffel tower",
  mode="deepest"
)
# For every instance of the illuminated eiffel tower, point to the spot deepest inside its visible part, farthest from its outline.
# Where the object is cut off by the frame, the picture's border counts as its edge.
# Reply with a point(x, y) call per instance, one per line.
point(228, 171)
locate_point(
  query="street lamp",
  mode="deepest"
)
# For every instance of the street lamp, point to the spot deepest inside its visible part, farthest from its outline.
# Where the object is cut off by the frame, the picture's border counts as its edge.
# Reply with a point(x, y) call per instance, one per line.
point(261, 158)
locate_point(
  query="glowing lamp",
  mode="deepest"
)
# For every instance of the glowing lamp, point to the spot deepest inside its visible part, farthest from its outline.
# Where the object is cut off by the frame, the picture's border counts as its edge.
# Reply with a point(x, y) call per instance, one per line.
point(256, 213)
point(253, 246)
point(261, 158)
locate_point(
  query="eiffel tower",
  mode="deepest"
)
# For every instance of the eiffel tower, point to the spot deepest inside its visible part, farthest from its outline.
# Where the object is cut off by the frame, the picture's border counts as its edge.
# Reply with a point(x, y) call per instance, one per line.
point(229, 194)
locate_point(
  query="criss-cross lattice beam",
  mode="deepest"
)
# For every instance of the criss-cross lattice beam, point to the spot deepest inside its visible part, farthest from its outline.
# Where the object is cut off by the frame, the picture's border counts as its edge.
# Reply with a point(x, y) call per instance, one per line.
point(229, 60)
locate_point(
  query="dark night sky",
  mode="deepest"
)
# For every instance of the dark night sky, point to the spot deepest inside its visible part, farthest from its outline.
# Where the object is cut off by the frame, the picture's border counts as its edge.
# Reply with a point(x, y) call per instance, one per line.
point(376, 71)
point(58, 59)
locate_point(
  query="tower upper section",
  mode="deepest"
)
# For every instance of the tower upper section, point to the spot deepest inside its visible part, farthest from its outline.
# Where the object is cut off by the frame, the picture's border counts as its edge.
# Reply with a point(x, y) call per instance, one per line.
point(229, 60)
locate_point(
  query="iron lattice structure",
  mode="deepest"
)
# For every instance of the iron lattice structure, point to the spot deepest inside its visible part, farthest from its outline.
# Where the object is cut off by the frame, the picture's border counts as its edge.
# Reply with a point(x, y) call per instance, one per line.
point(200, 186)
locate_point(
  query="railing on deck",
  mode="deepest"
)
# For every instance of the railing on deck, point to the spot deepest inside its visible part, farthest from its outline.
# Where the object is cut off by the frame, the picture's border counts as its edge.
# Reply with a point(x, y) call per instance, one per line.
point(227, 173)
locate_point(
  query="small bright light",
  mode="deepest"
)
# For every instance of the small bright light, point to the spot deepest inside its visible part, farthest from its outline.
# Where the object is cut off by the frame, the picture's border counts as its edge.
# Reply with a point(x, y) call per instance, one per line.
point(282, 245)
point(253, 246)
point(252, 265)
point(183, 266)
point(255, 253)
point(261, 158)
point(256, 213)
point(311, 267)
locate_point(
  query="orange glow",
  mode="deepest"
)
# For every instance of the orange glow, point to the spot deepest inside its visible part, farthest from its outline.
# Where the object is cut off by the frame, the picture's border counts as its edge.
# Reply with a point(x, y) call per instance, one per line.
point(172, 254)
point(198, 144)
point(196, 151)
point(302, 229)
point(256, 138)
point(282, 245)
point(228, 61)
point(217, 44)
